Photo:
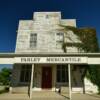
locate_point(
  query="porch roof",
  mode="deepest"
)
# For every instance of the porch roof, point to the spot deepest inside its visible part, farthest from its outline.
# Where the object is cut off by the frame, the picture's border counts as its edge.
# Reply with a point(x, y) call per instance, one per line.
point(48, 54)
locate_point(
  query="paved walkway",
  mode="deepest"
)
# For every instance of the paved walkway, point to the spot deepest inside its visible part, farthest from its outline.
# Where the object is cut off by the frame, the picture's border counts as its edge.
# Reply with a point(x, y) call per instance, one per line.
point(85, 97)
point(48, 96)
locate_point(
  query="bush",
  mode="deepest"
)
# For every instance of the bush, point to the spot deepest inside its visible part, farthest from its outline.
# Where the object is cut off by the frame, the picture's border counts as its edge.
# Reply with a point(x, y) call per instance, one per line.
point(5, 76)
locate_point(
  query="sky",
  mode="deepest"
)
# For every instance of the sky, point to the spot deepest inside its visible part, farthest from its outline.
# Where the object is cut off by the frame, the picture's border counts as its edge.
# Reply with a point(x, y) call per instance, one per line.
point(86, 13)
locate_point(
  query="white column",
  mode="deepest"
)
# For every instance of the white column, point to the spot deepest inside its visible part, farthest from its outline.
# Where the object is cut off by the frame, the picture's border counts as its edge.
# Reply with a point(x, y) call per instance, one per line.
point(69, 75)
point(31, 82)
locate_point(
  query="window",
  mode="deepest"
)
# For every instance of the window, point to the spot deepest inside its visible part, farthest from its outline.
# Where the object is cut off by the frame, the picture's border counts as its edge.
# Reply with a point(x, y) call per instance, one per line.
point(33, 40)
point(62, 73)
point(25, 75)
point(59, 40)
point(60, 36)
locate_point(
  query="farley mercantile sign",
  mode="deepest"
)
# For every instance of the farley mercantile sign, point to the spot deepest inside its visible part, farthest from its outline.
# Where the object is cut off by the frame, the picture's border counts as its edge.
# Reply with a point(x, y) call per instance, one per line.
point(51, 60)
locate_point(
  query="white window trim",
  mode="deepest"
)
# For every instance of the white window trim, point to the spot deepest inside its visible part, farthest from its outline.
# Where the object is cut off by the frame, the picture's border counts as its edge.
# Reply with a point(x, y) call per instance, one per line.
point(32, 42)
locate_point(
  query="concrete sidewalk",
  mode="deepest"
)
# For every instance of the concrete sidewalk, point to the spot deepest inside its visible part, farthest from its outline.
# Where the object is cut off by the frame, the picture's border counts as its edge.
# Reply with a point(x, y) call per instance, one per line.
point(85, 97)
point(48, 96)
point(35, 96)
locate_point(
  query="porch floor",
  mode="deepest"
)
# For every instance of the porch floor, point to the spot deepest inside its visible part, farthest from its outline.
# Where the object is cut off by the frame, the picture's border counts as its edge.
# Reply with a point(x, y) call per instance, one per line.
point(47, 96)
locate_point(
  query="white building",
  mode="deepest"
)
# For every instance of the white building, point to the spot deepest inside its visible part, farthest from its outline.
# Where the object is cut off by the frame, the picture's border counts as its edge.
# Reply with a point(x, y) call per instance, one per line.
point(43, 34)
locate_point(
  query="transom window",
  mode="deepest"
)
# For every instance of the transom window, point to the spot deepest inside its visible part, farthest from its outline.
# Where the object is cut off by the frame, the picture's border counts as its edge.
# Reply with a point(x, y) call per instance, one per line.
point(62, 73)
point(59, 40)
point(25, 75)
point(33, 40)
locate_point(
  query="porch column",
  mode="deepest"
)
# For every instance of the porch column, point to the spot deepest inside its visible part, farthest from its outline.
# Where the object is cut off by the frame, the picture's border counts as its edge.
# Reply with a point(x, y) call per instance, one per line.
point(69, 76)
point(31, 82)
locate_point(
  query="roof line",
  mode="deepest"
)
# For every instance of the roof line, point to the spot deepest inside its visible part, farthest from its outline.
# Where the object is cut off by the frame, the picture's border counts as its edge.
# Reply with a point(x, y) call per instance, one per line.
point(47, 54)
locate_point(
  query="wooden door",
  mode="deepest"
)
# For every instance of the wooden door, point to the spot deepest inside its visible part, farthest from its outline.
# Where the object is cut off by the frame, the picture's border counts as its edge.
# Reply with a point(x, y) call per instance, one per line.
point(46, 77)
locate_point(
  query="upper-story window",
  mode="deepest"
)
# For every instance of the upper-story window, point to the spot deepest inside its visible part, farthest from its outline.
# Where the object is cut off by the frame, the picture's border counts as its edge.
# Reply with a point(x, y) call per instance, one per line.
point(33, 40)
point(59, 40)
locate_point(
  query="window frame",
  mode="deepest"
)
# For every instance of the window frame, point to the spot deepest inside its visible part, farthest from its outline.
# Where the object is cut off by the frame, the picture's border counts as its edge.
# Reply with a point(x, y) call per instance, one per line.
point(23, 73)
point(59, 40)
point(59, 74)
point(33, 40)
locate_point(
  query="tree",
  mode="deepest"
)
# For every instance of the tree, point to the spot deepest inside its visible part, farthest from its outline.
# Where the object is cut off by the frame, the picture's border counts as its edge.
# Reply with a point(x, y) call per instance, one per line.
point(93, 74)
point(5, 76)
point(89, 45)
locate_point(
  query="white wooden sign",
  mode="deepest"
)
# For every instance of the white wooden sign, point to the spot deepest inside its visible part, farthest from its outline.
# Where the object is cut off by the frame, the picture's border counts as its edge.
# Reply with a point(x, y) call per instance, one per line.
point(73, 60)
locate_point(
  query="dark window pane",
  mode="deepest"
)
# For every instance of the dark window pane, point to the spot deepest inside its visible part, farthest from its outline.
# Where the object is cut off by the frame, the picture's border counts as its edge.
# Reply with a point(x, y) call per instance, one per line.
point(62, 73)
point(25, 73)
point(27, 76)
point(22, 76)
point(58, 76)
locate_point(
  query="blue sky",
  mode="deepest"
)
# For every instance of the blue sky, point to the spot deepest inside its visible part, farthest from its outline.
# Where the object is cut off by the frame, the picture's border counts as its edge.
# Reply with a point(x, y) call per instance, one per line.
point(5, 65)
point(86, 12)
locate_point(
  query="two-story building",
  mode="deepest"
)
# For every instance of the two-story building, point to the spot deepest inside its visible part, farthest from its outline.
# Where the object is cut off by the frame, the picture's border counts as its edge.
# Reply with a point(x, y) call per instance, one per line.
point(43, 35)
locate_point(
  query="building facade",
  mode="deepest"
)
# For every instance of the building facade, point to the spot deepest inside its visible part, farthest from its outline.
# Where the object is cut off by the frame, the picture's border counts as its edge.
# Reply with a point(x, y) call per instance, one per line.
point(44, 34)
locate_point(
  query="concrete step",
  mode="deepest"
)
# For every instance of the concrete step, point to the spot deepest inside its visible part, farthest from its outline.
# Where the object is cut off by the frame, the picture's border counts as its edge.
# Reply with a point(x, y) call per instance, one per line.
point(20, 89)
point(64, 90)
